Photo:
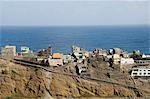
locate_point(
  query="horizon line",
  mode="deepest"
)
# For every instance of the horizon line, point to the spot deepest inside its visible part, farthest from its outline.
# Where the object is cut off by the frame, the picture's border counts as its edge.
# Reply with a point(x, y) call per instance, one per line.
point(70, 25)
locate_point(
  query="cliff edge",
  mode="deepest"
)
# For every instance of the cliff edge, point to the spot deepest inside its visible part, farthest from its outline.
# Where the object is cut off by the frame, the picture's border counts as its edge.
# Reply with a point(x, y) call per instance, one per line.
point(20, 81)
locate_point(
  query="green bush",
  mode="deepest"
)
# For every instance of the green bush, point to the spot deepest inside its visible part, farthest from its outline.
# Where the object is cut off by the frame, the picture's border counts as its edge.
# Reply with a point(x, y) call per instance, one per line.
point(136, 56)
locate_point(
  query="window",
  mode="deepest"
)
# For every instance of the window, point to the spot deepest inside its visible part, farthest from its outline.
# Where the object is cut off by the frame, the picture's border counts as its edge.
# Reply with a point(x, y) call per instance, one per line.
point(80, 56)
point(135, 70)
point(134, 73)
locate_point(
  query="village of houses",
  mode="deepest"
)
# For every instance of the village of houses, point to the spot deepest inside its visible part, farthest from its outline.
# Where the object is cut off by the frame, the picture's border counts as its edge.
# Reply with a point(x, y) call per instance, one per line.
point(137, 64)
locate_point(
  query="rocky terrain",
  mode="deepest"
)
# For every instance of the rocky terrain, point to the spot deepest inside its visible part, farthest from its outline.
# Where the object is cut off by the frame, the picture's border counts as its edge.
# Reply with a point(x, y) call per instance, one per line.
point(17, 81)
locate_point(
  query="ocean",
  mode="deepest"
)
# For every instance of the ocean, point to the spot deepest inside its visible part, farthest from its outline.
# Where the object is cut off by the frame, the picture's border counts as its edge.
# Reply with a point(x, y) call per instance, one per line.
point(61, 38)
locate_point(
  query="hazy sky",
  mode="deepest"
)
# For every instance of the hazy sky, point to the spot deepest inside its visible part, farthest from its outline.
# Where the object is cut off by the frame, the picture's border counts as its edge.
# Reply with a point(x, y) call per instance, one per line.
point(75, 12)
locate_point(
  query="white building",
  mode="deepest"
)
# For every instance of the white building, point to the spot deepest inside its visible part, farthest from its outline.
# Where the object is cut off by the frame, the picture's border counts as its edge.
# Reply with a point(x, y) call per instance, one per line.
point(75, 49)
point(67, 58)
point(86, 54)
point(102, 52)
point(82, 68)
point(124, 54)
point(8, 51)
point(79, 56)
point(140, 72)
point(126, 61)
point(145, 56)
point(25, 49)
point(55, 62)
point(116, 58)
point(142, 62)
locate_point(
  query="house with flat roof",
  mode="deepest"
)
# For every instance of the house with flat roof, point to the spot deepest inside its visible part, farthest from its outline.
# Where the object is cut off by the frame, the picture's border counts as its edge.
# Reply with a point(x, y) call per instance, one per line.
point(146, 56)
point(79, 54)
point(116, 58)
point(25, 49)
point(56, 60)
point(8, 52)
point(100, 51)
point(81, 69)
point(140, 72)
point(142, 62)
point(126, 61)
point(67, 59)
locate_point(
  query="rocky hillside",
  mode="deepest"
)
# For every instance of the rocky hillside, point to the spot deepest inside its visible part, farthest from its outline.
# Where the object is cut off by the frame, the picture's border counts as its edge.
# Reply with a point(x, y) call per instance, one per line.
point(19, 81)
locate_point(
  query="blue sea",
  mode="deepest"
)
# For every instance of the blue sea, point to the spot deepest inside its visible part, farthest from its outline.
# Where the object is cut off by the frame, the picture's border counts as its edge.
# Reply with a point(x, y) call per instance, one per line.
point(61, 38)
